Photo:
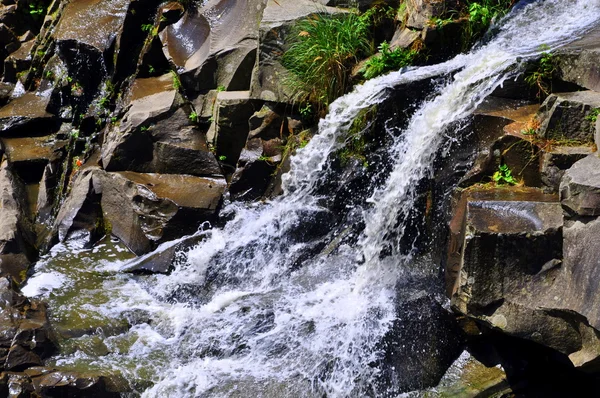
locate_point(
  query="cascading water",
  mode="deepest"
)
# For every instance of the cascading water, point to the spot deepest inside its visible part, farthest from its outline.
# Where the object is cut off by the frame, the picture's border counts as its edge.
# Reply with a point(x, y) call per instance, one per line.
point(240, 317)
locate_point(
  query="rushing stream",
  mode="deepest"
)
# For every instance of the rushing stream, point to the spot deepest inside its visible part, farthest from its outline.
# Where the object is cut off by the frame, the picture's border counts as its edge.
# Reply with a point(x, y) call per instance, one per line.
point(238, 316)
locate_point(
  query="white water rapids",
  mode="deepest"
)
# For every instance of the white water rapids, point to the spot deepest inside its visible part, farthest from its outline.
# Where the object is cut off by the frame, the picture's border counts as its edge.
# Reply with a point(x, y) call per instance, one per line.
point(234, 318)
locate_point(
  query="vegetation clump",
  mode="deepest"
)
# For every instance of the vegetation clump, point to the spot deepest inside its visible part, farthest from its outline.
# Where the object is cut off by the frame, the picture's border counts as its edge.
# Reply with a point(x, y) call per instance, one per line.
point(504, 176)
point(323, 49)
point(388, 60)
point(541, 75)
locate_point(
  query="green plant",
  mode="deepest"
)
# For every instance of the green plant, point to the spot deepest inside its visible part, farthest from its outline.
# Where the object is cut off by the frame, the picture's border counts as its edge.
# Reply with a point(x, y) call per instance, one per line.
point(104, 102)
point(150, 28)
point(322, 50)
point(176, 80)
point(387, 60)
point(306, 111)
point(504, 176)
point(36, 10)
point(193, 117)
point(222, 158)
point(593, 115)
point(144, 129)
point(479, 15)
point(529, 131)
point(151, 69)
point(49, 75)
point(221, 88)
point(541, 76)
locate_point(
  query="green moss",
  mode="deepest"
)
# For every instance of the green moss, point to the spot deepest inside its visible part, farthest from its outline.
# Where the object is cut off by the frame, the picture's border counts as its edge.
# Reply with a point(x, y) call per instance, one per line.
point(356, 138)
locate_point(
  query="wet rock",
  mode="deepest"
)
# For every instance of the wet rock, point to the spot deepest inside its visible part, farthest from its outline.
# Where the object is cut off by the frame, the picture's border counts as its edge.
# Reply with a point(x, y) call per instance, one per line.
point(81, 209)
point(18, 61)
point(565, 116)
point(25, 336)
point(142, 210)
point(48, 382)
point(507, 269)
point(263, 152)
point(580, 187)
point(277, 20)
point(207, 52)
point(418, 354)
point(27, 114)
point(156, 135)
point(164, 258)
point(88, 48)
point(16, 237)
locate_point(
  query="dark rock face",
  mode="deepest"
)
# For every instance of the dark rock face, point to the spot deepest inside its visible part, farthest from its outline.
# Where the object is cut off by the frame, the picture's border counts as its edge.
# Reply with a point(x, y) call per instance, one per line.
point(25, 336)
point(439, 342)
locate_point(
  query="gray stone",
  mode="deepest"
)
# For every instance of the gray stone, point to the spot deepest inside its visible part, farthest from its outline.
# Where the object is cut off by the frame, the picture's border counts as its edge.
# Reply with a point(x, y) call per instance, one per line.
point(579, 61)
point(554, 161)
point(17, 249)
point(233, 111)
point(580, 187)
point(210, 54)
point(565, 116)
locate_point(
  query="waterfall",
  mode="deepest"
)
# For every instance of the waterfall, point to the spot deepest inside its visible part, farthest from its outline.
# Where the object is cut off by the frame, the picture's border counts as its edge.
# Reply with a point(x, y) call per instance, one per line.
point(239, 317)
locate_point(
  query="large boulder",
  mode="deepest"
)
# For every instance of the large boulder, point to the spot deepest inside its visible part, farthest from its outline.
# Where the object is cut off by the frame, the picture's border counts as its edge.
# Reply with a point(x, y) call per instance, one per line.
point(580, 187)
point(17, 248)
point(208, 52)
point(156, 134)
point(507, 270)
point(579, 61)
point(142, 210)
point(566, 116)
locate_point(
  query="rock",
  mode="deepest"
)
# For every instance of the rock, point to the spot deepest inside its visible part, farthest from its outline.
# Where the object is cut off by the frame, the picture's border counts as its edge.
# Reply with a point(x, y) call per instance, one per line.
point(565, 116)
point(164, 258)
point(580, 187)
point(507, 269)
point(207, 52)
point(27, 114)
point(554, 161)
point(404, 38)
point(88, 48)
point(277, 21)
point(81, 208)
point(578, 62)
point(48, 382)
point(233, 110)
point(156, 135)
point(417, 354)
point(142, 210)
point(262, 154)
point(25, 335)
point(17, 249)
point(420, 12)
point(18, 61)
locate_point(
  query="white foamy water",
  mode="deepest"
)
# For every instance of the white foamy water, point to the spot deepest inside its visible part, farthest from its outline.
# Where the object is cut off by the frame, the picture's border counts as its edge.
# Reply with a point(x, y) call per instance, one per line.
point(241, 318)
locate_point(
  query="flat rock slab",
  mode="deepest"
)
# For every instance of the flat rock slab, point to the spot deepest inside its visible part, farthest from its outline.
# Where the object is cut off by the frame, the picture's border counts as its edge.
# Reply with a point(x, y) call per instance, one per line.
point(25, 149)
point(27, 112)
point(183, 190)
point(580, 187)
point(92, 22)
